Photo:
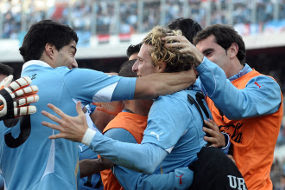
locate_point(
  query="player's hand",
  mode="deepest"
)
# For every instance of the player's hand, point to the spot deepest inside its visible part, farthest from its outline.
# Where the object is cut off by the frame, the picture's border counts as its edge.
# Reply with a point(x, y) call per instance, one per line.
point(112, 108)
point(215, 138)
point(72, 128)
point(16, 96)
point(184, 46)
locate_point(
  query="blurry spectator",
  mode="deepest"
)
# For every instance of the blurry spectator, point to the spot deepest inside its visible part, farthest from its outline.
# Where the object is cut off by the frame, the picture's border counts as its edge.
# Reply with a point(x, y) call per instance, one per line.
point(264, 11)
point(174, 9)
point(151, 15)
point(241, 12)
point(128, 17)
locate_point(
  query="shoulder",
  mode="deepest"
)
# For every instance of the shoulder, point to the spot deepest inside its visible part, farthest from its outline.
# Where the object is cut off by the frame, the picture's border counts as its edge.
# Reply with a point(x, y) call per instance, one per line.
point(120, 134)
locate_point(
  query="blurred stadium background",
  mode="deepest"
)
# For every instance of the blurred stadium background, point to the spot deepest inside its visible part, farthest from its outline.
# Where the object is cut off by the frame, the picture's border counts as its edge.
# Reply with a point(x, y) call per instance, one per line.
point(107, 27)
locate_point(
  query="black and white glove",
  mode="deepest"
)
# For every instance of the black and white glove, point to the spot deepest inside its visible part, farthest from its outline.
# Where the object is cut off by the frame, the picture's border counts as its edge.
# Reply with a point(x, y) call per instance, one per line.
point(16, 96)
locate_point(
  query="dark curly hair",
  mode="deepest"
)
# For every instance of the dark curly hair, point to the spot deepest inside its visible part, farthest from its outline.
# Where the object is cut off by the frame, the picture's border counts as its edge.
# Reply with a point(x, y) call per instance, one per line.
point(43, 32)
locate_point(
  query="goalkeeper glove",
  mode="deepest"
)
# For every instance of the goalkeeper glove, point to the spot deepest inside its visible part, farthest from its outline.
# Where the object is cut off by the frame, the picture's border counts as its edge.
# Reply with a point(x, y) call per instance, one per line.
point(16, 96)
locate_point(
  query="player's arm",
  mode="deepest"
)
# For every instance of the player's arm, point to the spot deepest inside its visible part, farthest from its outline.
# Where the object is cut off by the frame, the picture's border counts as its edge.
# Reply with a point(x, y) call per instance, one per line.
point(262, 94)
point(16, 96)
point(148, 156)
point(96, 86)
point(156, 84)
point(180, 178)
point(90, 166)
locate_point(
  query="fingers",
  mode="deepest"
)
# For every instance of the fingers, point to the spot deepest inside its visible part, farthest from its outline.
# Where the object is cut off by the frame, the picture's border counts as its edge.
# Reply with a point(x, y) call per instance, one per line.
point(6, 81)
point(26, 100)
point(20, 83)
point(57, 136)
point(211, 125)
point(58, 111)
point(51, 125)
point(174, 45)
point(209, 131)
point(25, 110)
point(212, 141)
point(51, 116)
point(175, 38)
point(78, 108)
point(25, 91)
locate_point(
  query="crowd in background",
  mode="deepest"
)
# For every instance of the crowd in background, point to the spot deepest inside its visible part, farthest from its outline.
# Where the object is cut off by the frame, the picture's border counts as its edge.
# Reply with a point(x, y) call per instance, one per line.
point(121, 17)
point(101, 17)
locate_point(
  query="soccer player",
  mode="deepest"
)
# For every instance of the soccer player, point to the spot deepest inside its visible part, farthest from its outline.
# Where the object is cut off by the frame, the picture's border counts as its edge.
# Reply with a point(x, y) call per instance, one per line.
point(189, 29)
point(245, 104)
point(48, 50)
point(174, 133)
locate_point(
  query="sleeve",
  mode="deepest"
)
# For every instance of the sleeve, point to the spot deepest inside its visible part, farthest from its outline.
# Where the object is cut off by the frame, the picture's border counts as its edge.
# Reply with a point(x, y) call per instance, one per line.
point(166, 122)
point(96, 86)
point(140, 157)
point(179, 179)
point(262, 94)
point(226, 148)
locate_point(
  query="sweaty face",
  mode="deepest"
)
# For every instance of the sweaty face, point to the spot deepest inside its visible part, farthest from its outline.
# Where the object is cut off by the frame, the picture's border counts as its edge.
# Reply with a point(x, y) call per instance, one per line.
point(144, 65)
point(215, 52)
point(66, 56)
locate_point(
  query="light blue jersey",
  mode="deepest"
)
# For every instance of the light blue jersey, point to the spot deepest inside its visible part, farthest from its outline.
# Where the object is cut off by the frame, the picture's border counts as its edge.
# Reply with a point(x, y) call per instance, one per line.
point(129, 179)
point(176, 126)
point(29, 159)
point(251, 101)
point(172, 139)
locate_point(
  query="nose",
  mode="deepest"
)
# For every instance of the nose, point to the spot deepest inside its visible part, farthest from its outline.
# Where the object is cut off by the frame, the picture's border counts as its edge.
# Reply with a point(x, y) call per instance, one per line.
point(135, 67)
point(74, 64)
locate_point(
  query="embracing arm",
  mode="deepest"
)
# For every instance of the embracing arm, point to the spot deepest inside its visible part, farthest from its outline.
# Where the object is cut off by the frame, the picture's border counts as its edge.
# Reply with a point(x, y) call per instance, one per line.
point(180, 178)
point(261, 95)
point(156, 84)
point(148, 156)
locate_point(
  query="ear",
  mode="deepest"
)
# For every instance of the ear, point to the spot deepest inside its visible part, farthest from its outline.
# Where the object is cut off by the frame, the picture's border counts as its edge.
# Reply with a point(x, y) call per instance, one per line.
point(160, 67)
point(233, 50)
point(50, 50)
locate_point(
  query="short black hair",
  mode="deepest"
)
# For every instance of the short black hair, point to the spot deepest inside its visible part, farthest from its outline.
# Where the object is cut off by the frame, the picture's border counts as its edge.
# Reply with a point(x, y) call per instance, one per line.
point(126, 69)
point(133, 49)
point(43, 32)
point(6, 70)
point(188, 27)
point(224, 35)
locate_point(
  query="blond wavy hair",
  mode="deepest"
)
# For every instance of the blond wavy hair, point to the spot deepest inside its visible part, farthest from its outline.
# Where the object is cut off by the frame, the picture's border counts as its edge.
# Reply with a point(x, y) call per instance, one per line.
point(175, 60)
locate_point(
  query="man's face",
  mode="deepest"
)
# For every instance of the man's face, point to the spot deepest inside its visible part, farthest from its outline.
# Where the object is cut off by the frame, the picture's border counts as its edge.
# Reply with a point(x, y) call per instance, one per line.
point(144, 65)
point(66, 56)
point(134, 56)
point(215, 53)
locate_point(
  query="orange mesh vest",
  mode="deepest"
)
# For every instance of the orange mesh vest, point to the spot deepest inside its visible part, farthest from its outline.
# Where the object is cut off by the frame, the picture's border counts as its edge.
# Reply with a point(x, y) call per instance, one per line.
point(253, 140)
point(136, 125)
